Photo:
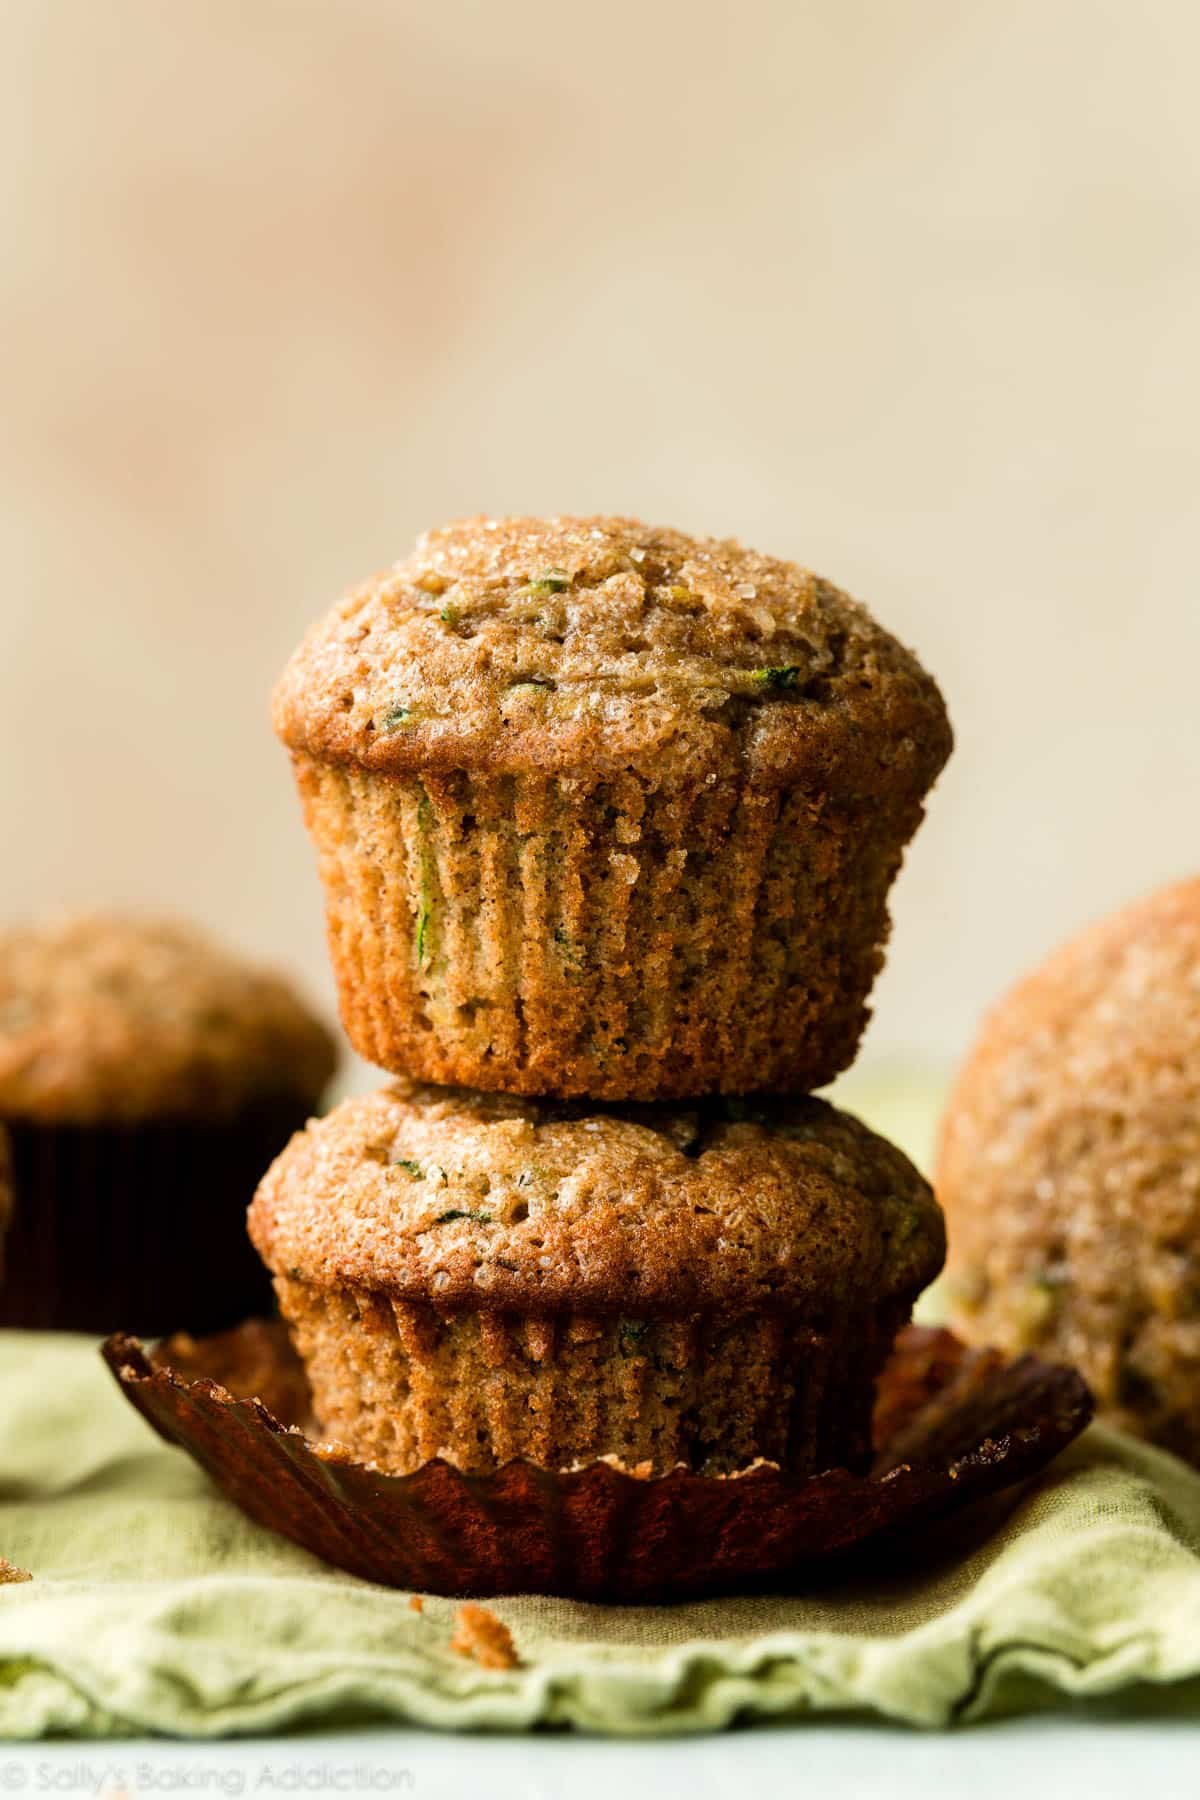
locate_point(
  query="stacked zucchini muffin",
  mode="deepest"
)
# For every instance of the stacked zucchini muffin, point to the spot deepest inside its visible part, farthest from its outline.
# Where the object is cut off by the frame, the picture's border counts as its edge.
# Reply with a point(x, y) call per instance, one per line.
point(606, 818)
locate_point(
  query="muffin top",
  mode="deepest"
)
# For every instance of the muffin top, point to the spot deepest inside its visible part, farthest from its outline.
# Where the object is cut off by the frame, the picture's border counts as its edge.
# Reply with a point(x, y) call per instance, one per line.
point(105, 1018)
point(452, 1195)
point(1085, 1080)
point(1090, 1063)
point(592, 645)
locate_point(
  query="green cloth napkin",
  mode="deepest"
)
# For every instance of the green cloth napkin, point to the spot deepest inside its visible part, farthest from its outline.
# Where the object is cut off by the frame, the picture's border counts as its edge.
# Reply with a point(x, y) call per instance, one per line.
point(156, 1607)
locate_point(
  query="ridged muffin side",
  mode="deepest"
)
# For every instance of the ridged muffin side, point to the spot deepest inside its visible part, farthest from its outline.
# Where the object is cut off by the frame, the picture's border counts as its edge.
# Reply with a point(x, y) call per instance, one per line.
point(606, 810)
point(400, 1382)
point(480, 1277)
point(615, 938)
point(6, 1193)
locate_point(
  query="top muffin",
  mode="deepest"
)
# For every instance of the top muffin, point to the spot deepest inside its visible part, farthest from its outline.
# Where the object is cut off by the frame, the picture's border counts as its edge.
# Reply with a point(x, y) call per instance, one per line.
point(606, 810)
point(605, 644)
point(108, 1018)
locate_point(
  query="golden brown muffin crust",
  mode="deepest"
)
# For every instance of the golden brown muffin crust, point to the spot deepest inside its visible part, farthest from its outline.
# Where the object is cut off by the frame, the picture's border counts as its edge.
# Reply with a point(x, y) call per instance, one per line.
point(108, 1018)
point(515, 645)
point(1070, 1166)
point(456, 1197)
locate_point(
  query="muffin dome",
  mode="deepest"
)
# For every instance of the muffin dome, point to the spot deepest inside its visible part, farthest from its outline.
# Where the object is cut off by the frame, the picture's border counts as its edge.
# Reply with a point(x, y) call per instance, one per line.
point(487, 1198)
point(1070, 1167)
point(481, 1278)
point(109, 1018)
point(605, 645)
point(605, 810)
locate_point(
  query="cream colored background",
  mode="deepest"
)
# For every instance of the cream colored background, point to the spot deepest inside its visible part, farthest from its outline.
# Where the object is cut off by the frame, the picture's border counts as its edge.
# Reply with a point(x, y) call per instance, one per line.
point(907, 290)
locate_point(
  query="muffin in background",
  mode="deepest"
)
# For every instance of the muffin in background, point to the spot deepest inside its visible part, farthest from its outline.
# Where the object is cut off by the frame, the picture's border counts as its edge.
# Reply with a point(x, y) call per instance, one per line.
point(483, 1277)
point(6, 1194)
point(1069, 1168)
point(147, 1078)
point(603, 809)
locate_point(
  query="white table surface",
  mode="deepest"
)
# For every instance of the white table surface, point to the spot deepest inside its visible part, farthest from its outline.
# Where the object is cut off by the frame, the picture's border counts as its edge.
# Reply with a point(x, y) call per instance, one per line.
point(1092, 1759)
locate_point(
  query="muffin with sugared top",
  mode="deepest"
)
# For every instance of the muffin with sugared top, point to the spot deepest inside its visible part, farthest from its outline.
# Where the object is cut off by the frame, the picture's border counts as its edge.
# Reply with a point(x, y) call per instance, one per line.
point(1070, 1168)
point(147, 1077)
point(483, 1277)
point(604, 809)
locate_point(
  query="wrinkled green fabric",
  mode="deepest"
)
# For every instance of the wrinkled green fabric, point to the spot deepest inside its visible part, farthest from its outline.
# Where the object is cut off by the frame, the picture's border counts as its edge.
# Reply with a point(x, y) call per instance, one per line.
point(156, 1607)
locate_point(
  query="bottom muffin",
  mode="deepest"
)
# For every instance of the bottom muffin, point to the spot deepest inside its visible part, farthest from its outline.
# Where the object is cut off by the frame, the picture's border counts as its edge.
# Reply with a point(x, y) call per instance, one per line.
point(483, 1277)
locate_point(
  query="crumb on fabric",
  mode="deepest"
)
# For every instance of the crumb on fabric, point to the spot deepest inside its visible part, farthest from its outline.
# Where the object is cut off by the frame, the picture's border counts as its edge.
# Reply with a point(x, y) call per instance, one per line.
point(10, 1572)
point(479, 1633)
point(416, 1603)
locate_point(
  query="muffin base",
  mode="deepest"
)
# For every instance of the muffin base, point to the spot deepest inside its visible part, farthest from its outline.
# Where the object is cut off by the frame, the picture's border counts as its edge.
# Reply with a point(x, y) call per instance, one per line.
point(611, 938)
point(401, 1382)
point(143, 1222)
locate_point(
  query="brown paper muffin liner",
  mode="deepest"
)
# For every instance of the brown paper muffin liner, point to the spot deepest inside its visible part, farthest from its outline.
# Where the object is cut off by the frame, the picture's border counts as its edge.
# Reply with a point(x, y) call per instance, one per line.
point(610, 938)
point(952, 1424)
point(143, 1222)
